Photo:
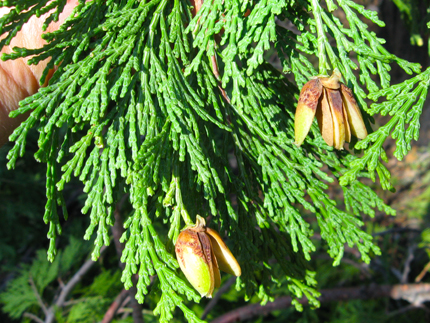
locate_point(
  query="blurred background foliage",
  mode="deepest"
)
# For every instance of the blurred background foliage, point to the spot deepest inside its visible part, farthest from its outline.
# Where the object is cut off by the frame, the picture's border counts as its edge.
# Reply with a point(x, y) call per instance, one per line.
point(28, 280)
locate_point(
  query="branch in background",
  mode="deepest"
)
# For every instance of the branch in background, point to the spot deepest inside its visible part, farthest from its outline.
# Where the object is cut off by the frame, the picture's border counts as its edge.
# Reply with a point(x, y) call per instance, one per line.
point(117, 231)
point(113, 308)
point(50, 316)
point(39, 299)
point(33, 317)
point(423, 273)
point(76, 279)
point(224, 288)
point(408, 308)
point(137, 308)
point(407, 267)
point(416, 294)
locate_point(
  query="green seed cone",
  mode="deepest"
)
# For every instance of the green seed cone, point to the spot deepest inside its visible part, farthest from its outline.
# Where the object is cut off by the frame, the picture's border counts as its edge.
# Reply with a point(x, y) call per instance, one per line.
point(194, 262)
point(201, 253)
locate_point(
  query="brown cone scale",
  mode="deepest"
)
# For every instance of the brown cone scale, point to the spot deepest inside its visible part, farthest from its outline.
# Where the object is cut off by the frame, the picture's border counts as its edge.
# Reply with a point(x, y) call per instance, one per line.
point(306, 109)
point(335, 103)
point(338, 115)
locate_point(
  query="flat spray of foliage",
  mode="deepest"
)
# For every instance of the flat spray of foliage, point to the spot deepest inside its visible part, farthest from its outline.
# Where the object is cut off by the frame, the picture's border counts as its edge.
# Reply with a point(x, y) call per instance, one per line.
point(151, 101)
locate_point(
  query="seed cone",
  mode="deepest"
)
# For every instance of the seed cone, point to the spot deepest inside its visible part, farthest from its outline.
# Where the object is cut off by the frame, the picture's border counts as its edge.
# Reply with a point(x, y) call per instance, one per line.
point(201, 253)
point(334, 105)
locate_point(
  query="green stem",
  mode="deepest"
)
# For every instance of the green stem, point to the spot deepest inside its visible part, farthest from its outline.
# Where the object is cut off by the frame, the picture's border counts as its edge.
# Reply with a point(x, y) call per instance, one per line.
point(185, 216)
point(321, 38)
point(152, 32)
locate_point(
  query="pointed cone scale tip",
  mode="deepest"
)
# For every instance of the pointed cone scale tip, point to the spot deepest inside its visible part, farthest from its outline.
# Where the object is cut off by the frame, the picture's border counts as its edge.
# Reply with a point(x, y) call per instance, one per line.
point(306, 109)
point(335, 103)
point(355, 119)
point(226, 261)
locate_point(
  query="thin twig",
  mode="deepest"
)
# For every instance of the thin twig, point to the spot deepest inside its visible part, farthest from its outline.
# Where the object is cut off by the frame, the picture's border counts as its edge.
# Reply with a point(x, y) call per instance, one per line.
point(60, 282)
point(224, 288)
point(407, 267)
point(76, 279)
point(33, 317)
point(414, 293)
point(39, 298)
point(113, 308)
point(423, 273)
point(406, 309)
point(224, 94)
point(67, 288)
point(215, 69)
point(75, 301)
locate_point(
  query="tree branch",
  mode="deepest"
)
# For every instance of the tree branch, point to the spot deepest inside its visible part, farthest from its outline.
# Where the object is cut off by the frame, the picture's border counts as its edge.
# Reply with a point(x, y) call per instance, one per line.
point(224, 288)
point(423, 273)
point(407, 267)
point(39, 299)
point(117, 231)
point(113, 308)
point(414, 293)
point(69, 287)
point(33, 317)
point(408, 308)
point(76, 279)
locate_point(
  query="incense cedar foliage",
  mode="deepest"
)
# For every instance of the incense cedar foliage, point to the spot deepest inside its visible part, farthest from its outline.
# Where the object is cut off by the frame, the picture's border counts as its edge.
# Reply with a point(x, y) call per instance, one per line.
point(151, 101)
